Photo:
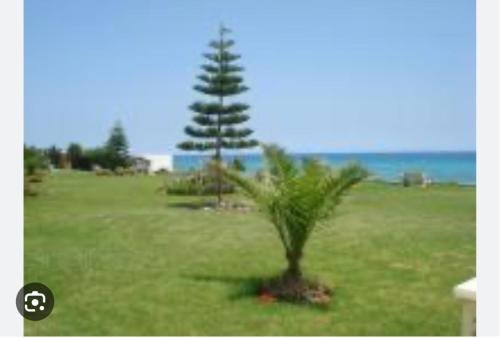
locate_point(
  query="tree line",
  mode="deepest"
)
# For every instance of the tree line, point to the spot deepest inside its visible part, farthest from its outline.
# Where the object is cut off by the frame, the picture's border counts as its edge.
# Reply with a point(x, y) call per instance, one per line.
point(112, 154)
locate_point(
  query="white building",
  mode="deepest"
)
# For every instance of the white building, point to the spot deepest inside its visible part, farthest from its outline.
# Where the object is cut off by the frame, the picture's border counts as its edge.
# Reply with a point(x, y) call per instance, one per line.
point(155, 162)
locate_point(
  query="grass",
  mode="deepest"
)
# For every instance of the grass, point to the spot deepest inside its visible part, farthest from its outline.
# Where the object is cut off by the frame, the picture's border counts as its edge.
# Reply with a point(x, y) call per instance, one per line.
point(124, 259)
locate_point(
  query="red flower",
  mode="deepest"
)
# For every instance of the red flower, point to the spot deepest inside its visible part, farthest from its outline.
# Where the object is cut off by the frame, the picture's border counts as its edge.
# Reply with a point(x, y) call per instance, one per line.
point(266, 297)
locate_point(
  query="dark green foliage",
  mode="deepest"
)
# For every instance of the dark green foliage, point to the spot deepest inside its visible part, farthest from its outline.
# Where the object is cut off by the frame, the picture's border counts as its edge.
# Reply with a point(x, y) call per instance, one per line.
point(113, 154)
point(116, 148)
point(30, 166)
point(75, 156)
point(94, 156)
point(216, 122)
point(34, 159)
point(216, 118)
point(35, 178)
point(54, 155)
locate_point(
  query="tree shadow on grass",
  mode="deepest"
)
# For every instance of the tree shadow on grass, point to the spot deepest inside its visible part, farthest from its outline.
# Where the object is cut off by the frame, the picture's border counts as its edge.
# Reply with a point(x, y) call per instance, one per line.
point(244, 287)
point(191, 205)
point(228, 205)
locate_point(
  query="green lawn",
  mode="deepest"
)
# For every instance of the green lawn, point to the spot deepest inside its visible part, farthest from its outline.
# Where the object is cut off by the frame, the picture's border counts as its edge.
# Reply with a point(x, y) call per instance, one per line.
point(125, 259)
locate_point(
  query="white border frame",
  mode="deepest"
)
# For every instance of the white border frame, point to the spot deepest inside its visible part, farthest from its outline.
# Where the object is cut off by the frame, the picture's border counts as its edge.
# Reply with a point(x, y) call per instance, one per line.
point(488, 165)
point(11, 177)
point(487, 145)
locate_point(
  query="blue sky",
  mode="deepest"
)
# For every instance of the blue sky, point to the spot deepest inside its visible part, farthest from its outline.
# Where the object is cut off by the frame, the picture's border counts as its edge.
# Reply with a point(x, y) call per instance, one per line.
point(325, 75)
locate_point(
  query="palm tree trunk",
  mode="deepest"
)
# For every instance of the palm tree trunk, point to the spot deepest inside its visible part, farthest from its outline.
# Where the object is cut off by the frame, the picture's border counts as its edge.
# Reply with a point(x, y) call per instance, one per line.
point(294, 271)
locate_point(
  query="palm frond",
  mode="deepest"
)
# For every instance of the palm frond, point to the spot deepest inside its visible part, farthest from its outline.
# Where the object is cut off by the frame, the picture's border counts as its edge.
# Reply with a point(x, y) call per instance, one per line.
point(280, 165)
point(334, 187)
point(296, 200)
point(265, 196)
point(250, 187)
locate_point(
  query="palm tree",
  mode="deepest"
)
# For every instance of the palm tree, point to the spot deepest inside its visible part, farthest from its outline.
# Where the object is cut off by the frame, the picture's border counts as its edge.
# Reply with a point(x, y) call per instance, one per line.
point(296, 199)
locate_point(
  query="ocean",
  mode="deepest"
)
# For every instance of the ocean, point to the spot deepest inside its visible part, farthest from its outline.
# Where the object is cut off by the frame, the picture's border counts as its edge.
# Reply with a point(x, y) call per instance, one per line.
point(459, 167)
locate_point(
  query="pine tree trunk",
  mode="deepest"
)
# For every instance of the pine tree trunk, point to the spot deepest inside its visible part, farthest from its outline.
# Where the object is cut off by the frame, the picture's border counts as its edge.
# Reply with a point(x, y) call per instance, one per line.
point(218, 159)
point(219, 139)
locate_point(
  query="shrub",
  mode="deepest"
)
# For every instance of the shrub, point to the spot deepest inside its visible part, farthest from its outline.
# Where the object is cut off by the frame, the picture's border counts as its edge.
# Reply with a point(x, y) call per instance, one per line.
point(34, 159)
point(34, 178)
point(29, 189)
point(92, 157)
point(103, 172)
point(119, 171)
point(198, 183)
point(29, 186)
point(161, 171)
point(30, 167)
point(129, 171)
point(413, 178)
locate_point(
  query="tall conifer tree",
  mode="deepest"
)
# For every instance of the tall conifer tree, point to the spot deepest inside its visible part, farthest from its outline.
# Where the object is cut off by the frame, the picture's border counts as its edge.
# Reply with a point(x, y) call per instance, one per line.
point(116, 147)
point(217, 120)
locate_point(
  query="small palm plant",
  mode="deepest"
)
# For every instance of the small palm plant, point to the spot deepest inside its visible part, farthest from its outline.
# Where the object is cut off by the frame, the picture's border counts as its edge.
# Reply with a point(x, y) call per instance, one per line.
point(295, 199)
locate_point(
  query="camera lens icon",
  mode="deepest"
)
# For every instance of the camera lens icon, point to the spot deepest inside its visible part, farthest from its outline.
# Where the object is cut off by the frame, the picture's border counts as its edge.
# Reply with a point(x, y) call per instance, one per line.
point(35, 301)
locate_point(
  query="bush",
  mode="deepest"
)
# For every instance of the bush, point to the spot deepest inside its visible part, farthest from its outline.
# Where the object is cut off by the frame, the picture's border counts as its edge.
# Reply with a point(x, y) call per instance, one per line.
point(94, 157)
point(103, 172)
point(129, 172)
point(119, 171)
point(34, 178)
point(29, 189)
point(34, 159)
point(30, 166)
point(162, 171)
point(413, 178)
point(199, 183)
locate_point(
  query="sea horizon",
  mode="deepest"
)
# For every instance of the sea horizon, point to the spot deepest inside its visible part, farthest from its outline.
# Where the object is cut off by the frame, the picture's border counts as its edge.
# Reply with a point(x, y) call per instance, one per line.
point(251, 152)
point(438, 166)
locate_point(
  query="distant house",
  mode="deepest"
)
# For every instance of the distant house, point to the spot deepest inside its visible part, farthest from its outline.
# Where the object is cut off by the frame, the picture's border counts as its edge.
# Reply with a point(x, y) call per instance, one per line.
point(153, 163)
